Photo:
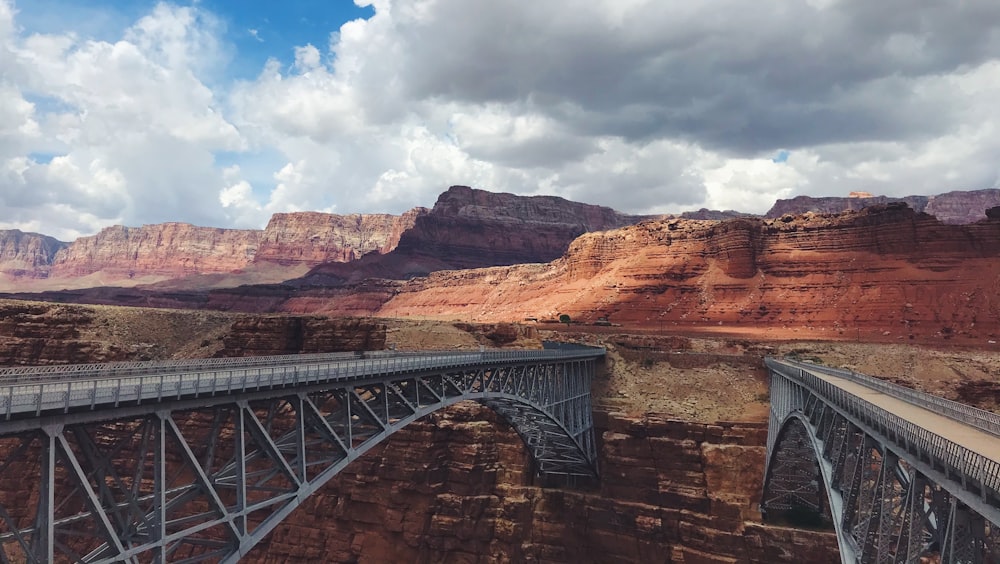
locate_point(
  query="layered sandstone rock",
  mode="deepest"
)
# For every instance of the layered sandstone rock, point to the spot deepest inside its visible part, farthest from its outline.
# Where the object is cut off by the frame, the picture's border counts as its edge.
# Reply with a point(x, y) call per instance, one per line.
point(313, 238)
point(957, 207)
point(274, 335)
point(27, 254)
point(961, 206)
point(885, 268)
point(469, 228)
point(166, 249)
point(457, 487)
point(857, 201)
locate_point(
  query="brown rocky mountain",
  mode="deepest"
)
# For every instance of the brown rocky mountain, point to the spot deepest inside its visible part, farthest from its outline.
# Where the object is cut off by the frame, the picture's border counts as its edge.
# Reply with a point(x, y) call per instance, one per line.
point(312, 238)
point(130, 256)
point(27, 254)
point(886, 270)
point(885, 273)
point(469, 228)
point(166, 249)
point(958, 207)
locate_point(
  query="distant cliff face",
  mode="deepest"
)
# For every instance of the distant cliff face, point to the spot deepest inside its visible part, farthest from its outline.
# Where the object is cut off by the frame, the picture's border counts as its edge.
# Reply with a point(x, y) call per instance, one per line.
point(27, 254)
point(885, 269)
point(469, 228)
point(166, 249)
point(959, 207)
point(963, 207)
point(313, 238)
point(127, 255)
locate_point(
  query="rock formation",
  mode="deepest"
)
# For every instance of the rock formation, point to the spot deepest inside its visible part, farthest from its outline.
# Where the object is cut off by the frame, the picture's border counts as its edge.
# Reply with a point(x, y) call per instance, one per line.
point(313, 238)
point(886, 272)
point(469, 228)
point(885, 268)
point(273, 335)
point(27, 254)
point(163, 250)
point(958, 207)
point(670, 492)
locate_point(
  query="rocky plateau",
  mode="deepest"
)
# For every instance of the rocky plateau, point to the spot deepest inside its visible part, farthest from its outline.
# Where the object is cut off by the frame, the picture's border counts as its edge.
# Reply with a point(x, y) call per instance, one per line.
point(466, 228)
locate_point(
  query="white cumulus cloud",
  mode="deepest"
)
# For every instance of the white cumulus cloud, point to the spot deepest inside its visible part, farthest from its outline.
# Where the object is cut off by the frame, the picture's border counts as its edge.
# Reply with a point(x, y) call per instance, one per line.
point(647, 106)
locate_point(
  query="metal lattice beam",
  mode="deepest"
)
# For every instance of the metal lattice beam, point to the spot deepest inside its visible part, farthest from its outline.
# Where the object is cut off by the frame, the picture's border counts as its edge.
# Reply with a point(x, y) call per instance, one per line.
point(199, 466)
point(898, 493)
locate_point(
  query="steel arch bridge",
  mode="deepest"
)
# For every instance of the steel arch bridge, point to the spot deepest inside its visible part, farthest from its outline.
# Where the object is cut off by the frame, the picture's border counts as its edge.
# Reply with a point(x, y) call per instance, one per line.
point(899, 474)
point(196, 461)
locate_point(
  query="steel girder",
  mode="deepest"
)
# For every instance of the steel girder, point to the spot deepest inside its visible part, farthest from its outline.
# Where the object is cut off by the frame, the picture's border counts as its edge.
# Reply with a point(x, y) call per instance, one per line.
point(886, 504)
point(205, 480)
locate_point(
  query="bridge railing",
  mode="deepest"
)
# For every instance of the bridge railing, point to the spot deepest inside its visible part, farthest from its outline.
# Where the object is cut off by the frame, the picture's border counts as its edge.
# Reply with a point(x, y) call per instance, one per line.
point(23, 390)
point(974, 417)
point(911, 437)
point(51, 373)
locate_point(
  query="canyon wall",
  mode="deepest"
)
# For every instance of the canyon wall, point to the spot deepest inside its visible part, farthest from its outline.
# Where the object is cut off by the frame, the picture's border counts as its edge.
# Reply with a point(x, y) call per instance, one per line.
point(885, 273)
point(958, 207)
point(456, 487)
point(312, 238)
point(469, 228)
point(34, 333)
point(166, 250)
point(466, 228)
point(27, 254)
point(886, 269)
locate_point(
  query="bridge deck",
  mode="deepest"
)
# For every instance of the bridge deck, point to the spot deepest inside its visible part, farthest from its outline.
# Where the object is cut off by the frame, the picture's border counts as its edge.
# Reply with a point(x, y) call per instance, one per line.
point(974, 439)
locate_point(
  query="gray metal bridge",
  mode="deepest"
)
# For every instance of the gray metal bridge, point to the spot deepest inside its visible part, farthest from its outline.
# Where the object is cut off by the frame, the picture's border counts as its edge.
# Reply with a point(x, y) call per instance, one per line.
point(902, 476)
point(196, 461)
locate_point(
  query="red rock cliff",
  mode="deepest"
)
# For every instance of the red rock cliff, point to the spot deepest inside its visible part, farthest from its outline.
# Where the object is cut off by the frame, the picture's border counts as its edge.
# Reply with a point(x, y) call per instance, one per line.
point(958, 207)
point(456, 487)
point(469, 228)
point(313, 238)
point(885, 268)
point(27, 254)
point(166, 249)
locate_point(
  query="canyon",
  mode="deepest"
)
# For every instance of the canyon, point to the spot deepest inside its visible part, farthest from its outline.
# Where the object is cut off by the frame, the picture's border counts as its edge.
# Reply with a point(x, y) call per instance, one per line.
point(466, 228)
point(681, 460)
point(686, 306)
point(885, 273)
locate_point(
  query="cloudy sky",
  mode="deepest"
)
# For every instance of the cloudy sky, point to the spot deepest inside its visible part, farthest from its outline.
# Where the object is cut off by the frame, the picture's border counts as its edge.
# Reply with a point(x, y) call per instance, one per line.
point(134, 112)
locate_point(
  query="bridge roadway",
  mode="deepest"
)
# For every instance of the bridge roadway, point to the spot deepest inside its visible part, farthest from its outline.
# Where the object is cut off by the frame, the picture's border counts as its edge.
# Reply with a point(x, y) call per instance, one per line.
point(971, 438)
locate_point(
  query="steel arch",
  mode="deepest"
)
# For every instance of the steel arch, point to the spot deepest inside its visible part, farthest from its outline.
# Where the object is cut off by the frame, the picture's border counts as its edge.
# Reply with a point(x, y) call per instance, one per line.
point(888, 498)
point(205, 478)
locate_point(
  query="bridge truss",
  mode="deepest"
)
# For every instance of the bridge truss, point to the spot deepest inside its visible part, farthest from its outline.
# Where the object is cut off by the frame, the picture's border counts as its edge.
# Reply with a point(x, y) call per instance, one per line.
point(894, 491)
point(197, 461)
